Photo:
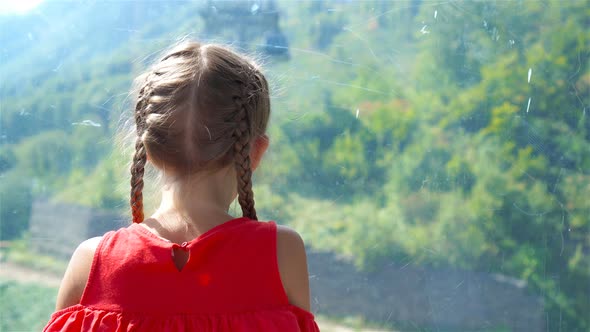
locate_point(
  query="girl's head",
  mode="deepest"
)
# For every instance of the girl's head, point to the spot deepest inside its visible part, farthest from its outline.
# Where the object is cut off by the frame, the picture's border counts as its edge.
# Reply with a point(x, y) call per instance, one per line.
point(199, 109)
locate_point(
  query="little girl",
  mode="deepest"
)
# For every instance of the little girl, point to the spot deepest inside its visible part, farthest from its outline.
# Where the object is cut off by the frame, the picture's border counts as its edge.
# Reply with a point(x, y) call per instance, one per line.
point(201, 116)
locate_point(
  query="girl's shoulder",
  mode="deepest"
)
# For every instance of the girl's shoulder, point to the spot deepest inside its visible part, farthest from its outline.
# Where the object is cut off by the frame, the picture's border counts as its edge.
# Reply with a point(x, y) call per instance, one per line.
point(77, 272)
point(292, 261)
point(79, 268)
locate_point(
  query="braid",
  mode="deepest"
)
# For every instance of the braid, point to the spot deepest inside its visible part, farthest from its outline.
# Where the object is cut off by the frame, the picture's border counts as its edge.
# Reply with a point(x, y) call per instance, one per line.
point(139, 158)
point(137, 171)
point(242, 159)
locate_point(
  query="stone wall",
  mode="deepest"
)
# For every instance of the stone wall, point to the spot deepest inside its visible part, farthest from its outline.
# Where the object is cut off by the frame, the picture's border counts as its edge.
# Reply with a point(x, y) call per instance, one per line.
point(415, 297)
point(57, 229)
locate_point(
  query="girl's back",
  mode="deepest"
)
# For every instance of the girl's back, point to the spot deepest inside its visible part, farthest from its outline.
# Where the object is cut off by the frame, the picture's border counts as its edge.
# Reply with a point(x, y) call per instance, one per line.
point(231, 282)
point(200, 118)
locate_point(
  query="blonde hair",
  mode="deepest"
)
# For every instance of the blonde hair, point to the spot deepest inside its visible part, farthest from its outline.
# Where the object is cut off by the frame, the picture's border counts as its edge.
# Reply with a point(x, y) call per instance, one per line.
point(198, 109)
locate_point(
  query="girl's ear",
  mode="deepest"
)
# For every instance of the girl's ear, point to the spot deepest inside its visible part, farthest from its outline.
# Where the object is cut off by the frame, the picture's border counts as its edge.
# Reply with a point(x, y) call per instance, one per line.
point(258, 149)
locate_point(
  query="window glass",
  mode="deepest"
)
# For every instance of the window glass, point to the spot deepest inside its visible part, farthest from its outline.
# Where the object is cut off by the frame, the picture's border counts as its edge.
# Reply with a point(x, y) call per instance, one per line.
point(434, 155)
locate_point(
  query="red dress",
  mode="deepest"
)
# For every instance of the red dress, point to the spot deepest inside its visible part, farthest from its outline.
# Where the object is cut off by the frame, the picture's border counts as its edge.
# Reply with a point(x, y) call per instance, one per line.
point(231, 282)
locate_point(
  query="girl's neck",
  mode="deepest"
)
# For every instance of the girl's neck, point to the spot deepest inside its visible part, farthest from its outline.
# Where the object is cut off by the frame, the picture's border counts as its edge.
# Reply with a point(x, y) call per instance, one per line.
point(190, 207)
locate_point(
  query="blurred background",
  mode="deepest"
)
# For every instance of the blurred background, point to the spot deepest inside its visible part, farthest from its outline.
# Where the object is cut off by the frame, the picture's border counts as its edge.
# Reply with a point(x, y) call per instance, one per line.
point(435, 155)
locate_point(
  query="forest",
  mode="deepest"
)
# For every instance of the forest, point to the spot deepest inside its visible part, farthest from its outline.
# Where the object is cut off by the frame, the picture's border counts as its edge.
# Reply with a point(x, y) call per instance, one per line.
point(443, 133)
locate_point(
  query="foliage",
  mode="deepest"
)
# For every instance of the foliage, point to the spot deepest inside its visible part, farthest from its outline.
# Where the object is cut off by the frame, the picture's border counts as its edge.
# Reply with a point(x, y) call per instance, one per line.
point(46, 154)
point(20, 253)
point(39, 302)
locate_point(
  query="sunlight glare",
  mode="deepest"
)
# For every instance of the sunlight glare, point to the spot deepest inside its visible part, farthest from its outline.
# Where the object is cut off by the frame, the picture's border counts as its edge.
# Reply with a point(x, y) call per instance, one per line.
point(17, 6)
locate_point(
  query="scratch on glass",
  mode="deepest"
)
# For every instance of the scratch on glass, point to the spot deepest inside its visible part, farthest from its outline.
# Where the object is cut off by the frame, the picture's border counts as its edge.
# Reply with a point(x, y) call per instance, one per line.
point(209, 132)
point(530, 73)
point(254, 8)
point(562, 237)
point(557, 180)
point(528, 105)
point(353, 86)
point(495, 34)
point(363, 40)
point(88, 123)
point(528, 213)
point(389, 317)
